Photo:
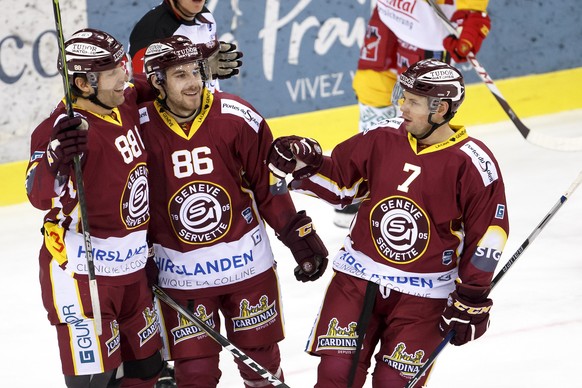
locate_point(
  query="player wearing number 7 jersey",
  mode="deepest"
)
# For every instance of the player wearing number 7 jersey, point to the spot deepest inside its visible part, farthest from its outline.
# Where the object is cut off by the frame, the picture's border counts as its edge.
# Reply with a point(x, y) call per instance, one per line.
point(431, 228)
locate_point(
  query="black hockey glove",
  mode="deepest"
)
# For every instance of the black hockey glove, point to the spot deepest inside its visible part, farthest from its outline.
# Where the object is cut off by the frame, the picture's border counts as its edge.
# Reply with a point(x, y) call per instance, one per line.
point(293, 154)
point(227, 62)
point(68, 139)
point(467, 313)
point(306, 246)
point(221, 60)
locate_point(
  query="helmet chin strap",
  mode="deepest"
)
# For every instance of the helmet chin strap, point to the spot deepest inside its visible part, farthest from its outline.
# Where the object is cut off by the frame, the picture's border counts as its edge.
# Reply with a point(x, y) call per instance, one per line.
point(93, 78)
point(433, 127)
point(93, 98)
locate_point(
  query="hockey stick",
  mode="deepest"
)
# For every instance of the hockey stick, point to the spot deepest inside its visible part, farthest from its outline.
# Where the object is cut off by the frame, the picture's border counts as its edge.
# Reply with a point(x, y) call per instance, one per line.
point(539, 139)
point(219, 338)
point(79, 178)
point(501, 273)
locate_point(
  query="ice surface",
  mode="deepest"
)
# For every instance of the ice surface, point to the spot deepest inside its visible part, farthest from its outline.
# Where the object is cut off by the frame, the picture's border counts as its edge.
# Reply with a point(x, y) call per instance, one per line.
point(534, 339)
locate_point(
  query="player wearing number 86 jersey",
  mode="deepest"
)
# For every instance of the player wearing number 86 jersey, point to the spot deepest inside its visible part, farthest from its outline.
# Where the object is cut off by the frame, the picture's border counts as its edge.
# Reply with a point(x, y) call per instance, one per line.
point(210, 192)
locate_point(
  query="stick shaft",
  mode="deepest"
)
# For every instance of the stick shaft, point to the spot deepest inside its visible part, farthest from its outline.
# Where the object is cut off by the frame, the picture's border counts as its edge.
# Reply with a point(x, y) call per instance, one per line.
point(96, 306)
point(539, 139)
point(219, 338)
point(431, 359)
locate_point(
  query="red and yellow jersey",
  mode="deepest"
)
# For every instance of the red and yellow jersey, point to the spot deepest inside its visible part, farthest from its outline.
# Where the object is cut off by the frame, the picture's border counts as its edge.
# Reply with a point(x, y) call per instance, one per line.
point(209, 193)
point(116, 195)
point(426, 217)
point(411, 19)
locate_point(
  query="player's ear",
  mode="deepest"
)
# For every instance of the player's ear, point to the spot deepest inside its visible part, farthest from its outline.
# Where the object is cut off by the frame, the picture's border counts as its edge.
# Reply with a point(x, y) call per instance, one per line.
point(156, 83)
point(443, 108)
point(82, 84)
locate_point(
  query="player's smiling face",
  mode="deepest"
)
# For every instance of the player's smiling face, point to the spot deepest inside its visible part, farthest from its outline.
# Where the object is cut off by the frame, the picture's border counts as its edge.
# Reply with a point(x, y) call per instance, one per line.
point(415, 113)
point(184, 88)
point(110, 86)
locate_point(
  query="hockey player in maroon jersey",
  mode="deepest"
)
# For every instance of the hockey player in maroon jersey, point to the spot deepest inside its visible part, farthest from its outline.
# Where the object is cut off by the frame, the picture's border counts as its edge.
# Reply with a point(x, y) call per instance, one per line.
point(399, 34)
point(209, 196)
point(192, 19)
point(104, 133)
point(421, 253)
point(189, 18)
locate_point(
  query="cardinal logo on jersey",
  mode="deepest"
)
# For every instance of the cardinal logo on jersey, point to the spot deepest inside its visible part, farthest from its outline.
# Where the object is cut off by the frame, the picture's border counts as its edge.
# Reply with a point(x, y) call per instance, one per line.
point(255, 316)
point(187, 329)
point(112, 344)
point(400, 229)
point(337, 337)
point(406, 363)
point(151, 325)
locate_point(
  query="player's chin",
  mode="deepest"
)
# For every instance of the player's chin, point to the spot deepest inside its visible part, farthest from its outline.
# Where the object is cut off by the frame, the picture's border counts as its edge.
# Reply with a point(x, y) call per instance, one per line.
point(118, 99)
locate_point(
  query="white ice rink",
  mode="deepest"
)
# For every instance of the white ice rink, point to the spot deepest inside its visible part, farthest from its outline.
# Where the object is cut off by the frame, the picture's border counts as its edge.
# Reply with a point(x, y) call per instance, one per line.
point(536, 331)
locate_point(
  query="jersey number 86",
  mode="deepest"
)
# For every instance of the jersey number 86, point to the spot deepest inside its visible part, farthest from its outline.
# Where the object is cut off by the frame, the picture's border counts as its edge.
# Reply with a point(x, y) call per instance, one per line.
point(188, 162)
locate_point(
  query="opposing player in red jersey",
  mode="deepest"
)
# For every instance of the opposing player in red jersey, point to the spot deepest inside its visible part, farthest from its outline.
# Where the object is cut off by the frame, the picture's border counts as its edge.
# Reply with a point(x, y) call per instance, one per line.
point(105, 134)
point(431, 228)
point(209, 196)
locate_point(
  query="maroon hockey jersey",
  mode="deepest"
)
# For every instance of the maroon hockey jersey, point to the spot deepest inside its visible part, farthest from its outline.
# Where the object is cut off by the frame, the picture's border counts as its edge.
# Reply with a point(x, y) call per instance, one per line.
point(116, 191)
point(209, 193)
point(426, 217)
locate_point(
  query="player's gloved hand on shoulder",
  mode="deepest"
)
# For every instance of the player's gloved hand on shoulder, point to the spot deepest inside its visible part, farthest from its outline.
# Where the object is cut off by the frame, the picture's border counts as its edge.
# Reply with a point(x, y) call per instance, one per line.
point(306, 246)
point(227, 61)
point(221, 60)
point(474, 26)
point(68, 139)
point(467, 313)
point(300, 156)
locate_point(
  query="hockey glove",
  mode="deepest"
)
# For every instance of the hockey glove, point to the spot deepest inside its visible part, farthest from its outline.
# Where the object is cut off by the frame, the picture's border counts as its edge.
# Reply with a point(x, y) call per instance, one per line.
point(221, 60)
point(68, 139)
point(306, 246)
point(280, 159)
point(474, 26)
point(227, 61)
point(293, 154)
point(467, 313)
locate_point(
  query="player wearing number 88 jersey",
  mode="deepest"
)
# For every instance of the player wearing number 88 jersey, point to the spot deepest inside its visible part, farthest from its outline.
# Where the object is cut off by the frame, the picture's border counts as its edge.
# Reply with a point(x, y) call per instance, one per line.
point(105, 136)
